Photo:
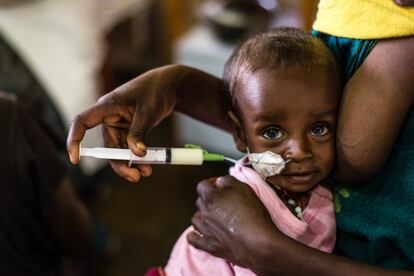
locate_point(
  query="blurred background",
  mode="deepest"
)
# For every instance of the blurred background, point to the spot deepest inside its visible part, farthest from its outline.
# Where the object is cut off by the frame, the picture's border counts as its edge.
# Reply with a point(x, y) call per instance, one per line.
point(80, 49)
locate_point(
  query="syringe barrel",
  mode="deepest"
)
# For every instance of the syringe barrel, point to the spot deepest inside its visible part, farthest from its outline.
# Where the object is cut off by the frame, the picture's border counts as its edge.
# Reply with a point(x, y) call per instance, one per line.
point(175, 156)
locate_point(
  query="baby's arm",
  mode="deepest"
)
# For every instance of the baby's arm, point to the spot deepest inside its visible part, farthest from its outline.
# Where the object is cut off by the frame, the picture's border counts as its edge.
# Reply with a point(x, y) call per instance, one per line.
point(374, 104)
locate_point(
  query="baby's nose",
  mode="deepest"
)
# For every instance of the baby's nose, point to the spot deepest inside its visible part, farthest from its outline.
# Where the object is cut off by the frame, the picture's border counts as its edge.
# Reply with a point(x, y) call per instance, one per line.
point(298, 149)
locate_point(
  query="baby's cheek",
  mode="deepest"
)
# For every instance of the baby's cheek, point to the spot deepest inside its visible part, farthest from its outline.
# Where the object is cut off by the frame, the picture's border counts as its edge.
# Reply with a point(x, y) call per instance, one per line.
point(326, 158)
point(275, 181)
point(327, 163)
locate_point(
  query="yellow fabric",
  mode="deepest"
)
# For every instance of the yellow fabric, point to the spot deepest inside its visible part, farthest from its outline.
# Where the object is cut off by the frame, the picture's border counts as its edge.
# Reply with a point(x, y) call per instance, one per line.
point(364, 19)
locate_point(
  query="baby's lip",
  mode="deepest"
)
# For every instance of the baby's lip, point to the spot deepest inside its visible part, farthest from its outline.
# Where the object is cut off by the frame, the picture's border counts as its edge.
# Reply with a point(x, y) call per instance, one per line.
point(300, 177)
point(298, 173)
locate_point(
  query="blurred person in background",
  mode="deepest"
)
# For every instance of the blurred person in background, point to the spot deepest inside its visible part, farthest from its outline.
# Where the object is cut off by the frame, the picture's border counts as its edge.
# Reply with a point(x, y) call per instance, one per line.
point(51, 55)
point(42, 220)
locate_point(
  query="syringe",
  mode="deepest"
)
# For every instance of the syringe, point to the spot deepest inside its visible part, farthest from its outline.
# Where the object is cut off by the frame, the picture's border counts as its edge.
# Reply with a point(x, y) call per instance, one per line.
point(175, 156)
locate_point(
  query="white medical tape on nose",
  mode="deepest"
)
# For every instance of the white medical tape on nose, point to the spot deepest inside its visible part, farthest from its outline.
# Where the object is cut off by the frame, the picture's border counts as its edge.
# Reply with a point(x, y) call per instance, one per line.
point(267, 163)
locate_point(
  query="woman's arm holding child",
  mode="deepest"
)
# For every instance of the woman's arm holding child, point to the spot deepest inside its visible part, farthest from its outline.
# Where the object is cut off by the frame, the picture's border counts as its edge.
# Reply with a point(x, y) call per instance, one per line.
point(374, 104)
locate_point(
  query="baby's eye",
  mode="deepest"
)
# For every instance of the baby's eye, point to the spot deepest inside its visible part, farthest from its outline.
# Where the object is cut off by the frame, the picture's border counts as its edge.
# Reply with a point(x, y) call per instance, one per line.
point(272, 134)
point(319, 130)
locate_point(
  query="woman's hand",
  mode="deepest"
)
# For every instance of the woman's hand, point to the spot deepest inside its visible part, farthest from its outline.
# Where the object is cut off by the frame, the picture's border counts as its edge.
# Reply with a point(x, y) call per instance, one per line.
point(127, 114)
point(231, 222)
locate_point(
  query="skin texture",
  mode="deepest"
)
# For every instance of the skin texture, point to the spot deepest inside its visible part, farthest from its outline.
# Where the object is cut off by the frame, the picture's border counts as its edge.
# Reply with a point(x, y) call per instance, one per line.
point(302, 131)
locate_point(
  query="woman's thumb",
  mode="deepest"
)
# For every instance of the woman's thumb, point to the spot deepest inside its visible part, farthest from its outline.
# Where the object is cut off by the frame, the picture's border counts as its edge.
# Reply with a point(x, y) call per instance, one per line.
point(136, 138)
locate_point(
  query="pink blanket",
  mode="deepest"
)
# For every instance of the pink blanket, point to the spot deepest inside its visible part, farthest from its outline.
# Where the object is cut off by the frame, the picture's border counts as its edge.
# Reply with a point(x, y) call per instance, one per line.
point(316, 229)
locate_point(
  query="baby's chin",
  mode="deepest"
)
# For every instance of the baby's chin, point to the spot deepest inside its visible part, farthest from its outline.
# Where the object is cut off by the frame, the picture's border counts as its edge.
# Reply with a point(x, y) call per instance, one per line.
point(278, 183)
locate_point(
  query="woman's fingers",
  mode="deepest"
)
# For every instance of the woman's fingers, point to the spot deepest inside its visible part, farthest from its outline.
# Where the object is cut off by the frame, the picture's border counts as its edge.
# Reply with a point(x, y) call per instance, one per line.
point(138, 130)
point(205, 243)
point(206, 187)
point(90, 118)
point(199, 241)
point(145, 169)
point(200, 238)
point(122, 169)
point(80, 124)
point(197, 222)
point(131, 174)
point(116, 138)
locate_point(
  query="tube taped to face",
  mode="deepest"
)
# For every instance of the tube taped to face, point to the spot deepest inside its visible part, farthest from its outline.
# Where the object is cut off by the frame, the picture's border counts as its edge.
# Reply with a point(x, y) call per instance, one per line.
point(266, 163)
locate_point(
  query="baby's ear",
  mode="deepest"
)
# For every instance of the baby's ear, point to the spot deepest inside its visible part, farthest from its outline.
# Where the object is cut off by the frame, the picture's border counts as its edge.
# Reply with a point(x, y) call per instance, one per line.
point(237, 131)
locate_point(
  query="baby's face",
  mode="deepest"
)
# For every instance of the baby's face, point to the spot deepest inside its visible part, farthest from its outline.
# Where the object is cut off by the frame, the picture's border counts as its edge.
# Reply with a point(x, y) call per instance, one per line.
point(291, 112)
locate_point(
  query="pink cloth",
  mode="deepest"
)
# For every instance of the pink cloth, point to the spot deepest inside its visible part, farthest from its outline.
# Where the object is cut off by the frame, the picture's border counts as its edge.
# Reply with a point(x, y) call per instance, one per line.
point(316, 229)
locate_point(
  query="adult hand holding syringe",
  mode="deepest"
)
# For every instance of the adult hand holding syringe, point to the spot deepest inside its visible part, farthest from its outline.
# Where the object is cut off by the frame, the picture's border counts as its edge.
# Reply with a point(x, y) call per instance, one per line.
point(129, 112)
point(126, 115)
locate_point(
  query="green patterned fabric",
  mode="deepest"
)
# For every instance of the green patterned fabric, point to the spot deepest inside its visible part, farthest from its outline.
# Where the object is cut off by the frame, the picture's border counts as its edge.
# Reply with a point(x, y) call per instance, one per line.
point(349, 52)
point(376, 220)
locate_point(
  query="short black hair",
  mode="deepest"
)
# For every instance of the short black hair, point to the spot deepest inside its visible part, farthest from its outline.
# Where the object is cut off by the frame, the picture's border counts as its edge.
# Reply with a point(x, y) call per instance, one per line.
point(278, 47)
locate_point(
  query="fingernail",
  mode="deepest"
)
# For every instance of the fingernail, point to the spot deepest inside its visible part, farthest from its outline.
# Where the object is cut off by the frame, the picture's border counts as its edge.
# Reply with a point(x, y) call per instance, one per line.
point(220, 180)
point(71, 157)
point(199, 234)
point(146, 173)
point(141, 146)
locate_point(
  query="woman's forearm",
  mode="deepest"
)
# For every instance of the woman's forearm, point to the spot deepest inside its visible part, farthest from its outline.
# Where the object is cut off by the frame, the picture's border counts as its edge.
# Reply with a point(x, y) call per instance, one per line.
point(374, 105)
point(201, 96)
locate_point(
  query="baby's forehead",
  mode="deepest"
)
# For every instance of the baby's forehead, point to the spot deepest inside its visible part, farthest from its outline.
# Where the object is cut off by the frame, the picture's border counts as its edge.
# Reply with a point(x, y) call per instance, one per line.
point(281, 80)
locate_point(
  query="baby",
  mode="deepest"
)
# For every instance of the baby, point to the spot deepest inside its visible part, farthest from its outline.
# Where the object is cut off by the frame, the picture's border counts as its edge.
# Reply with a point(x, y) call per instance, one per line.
point(285, 87)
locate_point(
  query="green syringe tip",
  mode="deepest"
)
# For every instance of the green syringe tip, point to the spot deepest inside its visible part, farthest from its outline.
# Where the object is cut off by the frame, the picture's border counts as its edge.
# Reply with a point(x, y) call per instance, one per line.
point(207, 156)
point(213, 157)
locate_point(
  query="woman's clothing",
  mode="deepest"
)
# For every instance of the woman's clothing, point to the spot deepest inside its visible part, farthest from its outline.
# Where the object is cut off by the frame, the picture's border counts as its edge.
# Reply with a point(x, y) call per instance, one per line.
point(349, 52)
point(364, 19)
point(374, 220)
